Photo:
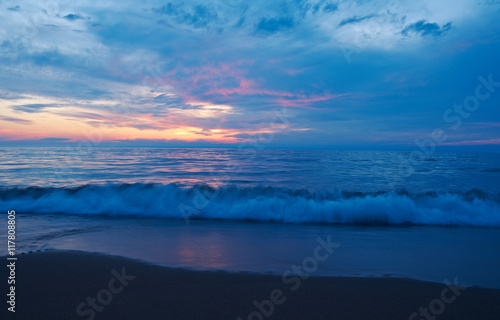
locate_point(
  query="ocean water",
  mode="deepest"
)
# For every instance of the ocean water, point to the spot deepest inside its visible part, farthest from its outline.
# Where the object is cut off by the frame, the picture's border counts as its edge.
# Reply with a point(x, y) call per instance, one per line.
point(291, 186)
point(393, 214)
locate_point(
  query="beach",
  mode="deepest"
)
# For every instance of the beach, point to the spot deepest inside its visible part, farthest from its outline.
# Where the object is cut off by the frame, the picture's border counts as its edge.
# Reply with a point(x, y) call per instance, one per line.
point(53, 284)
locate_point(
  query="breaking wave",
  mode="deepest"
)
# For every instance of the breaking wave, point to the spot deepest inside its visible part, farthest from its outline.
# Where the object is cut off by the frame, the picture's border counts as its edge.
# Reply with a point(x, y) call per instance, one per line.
point(472, 208)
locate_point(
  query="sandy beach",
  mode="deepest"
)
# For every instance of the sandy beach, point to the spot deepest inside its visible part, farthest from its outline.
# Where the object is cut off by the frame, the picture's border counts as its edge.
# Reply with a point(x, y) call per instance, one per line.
point(79, 285)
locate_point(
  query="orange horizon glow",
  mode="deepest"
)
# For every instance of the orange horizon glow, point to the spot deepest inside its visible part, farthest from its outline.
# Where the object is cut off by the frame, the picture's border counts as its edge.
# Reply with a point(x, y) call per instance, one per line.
point(108, 120)
point(76, 124)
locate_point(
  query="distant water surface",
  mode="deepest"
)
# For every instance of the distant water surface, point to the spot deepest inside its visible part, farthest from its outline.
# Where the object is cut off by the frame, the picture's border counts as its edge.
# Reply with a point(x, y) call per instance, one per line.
point(324, 170)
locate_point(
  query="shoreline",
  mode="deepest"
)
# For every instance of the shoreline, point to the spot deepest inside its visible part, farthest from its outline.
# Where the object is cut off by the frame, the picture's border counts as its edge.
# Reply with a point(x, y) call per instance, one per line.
point(83, 285)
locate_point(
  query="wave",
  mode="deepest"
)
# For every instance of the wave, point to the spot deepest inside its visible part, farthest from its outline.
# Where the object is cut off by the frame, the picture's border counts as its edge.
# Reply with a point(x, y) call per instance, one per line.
point(472, 208)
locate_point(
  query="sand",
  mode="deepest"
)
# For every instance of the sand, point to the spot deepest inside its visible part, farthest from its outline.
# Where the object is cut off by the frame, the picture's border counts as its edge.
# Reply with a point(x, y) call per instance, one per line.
point(54, 284)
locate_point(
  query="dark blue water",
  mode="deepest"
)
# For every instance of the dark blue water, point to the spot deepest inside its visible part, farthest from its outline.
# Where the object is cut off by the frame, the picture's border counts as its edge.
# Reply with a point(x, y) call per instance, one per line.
point(322, 170)
point(294, 186)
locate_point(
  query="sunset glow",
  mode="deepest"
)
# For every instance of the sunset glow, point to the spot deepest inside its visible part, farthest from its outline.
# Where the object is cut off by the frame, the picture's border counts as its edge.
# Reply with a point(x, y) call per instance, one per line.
point(312, 74)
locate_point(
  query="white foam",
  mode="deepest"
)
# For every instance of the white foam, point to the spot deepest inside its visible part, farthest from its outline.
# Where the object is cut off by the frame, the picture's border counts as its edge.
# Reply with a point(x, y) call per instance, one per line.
point(473, 208)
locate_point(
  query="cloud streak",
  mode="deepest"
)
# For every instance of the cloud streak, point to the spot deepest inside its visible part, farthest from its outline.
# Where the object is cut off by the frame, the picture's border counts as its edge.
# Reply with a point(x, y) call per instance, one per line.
point(16, 120)
point(425, 28)
point(355, 19)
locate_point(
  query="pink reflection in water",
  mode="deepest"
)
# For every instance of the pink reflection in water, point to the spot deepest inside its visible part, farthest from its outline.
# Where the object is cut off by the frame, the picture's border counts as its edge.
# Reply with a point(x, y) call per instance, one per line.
point(208, 253)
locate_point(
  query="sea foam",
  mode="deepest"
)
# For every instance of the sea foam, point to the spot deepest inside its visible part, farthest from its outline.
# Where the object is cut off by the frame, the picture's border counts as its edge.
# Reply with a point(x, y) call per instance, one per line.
point(472, 208)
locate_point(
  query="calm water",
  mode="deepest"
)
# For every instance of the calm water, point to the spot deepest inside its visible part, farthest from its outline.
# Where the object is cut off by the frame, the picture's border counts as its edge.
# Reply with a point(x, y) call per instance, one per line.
point(324, 170)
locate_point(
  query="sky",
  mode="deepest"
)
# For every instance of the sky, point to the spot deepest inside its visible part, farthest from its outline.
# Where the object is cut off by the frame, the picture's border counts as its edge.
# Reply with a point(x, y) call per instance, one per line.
point(294, 73)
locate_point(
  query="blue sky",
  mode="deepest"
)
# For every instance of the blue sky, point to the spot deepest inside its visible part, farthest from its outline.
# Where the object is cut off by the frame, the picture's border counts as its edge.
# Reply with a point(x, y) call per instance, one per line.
point(334, 74)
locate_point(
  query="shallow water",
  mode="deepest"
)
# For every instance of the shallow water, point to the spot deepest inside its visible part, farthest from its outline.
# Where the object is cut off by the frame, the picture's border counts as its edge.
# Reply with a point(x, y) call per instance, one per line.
point(472, 255)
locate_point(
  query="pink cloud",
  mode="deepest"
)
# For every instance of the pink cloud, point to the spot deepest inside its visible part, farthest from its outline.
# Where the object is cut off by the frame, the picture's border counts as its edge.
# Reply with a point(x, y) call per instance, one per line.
point(294, 72)
point(225, 81)
point(304, 102)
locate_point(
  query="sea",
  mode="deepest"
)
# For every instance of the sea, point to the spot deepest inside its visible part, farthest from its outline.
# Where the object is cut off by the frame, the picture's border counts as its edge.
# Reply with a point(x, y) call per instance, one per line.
point(431, 216)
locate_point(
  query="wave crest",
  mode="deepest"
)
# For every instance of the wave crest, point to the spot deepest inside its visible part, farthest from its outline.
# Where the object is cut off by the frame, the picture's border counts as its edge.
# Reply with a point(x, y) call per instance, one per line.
point(472, 208)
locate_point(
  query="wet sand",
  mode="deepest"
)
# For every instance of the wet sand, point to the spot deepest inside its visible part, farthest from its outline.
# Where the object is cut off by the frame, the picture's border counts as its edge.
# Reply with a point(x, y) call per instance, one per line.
point(79, 285)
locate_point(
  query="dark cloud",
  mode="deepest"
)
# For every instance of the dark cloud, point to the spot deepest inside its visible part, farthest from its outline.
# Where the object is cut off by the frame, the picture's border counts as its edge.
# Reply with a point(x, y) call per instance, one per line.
point(162, 143)
point(330, 7)
point(273, 25)
point(356, 19)
point(73, 17)
point(47, 142)
point(55, 139)
point(426, 28)
point(170, 100)
point(16, 8)
point(21, 121)
point(52, 57)
point(168, 9)
point(326, 7)
point(316, 7)
point(240, 22)
point(240, 136)
point(207, 134)
point(82, 115)
point(10, 96)
point(198, 17)
point(31, 108)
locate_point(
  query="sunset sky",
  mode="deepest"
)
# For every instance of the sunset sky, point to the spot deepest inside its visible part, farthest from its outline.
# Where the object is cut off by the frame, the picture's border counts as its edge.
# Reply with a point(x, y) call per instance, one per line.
point(333, 74)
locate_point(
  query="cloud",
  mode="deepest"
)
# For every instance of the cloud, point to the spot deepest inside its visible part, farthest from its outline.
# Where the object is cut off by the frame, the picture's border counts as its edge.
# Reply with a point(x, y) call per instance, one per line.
point(426, 29)
point(31, 108)
point(199, 16)
point(163, 143)
point(356, 19)
point(327, 7)
point(73, 17)
point(17, 120)
point(16, 8)
point(49, 58)
point(273, 25)
point(330, 7)
point(472, 142)
point(55, 139)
